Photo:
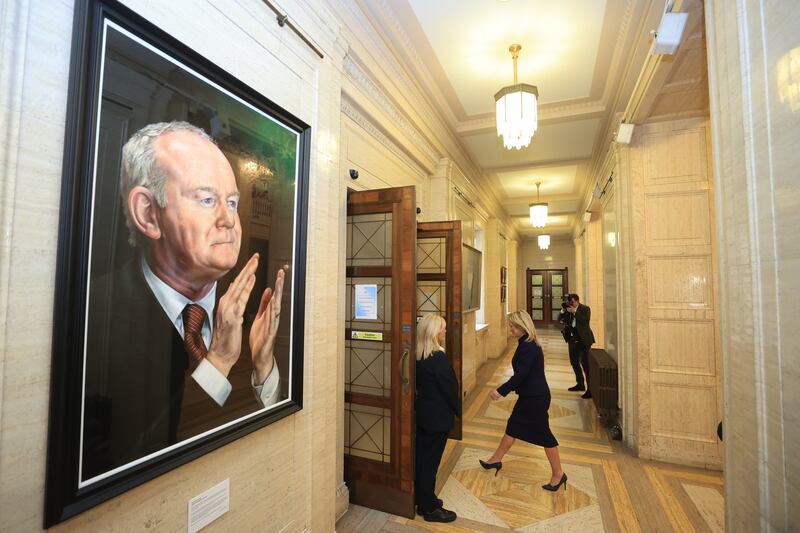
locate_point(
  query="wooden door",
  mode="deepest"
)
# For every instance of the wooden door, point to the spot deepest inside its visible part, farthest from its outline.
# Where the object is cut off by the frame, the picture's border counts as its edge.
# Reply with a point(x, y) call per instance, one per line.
point(380, 330)
point(439, 287)
point(546, 289)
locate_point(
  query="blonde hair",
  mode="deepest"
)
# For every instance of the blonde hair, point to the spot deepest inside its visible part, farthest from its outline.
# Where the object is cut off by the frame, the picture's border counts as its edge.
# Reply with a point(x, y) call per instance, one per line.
point(428, 329)
point(523, 321)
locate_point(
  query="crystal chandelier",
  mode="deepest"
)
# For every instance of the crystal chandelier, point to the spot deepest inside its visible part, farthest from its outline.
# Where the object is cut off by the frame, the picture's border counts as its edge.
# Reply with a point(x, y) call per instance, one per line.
point(544, 241)
point(515, 106)
point(538, 210)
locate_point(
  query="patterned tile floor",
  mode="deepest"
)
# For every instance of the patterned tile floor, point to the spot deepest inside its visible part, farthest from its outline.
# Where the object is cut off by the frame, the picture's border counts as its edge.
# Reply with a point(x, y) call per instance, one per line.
point(608, 489)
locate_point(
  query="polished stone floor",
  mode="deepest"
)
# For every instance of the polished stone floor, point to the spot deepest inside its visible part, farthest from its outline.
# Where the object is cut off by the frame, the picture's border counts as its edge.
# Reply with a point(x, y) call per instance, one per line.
point(608, 489)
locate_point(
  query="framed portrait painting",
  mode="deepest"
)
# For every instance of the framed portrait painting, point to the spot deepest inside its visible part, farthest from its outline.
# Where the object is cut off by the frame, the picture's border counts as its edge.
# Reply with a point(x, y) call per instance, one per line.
point(179, 307)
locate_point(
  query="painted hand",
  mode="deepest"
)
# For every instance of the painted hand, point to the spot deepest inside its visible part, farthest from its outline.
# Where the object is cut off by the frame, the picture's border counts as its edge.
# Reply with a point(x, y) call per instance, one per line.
point(265, 329)
point(226, 341)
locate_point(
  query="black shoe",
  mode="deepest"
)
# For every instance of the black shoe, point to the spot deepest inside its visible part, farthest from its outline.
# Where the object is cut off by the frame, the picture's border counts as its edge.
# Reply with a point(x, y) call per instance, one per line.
point(440, 515)
point(439, 503)
point(488, 466)
point(586, 395)
point(577, 387)
point(553, 488)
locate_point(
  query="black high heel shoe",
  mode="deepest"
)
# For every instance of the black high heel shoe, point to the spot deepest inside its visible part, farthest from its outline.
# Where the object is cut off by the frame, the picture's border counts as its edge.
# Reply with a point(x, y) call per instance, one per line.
point(553, 488)
point(488, 466)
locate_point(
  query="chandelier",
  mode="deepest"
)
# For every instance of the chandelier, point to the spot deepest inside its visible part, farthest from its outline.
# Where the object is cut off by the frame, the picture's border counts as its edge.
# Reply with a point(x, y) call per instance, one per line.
point(515, 106)
point(538, 211)
point(544, 241)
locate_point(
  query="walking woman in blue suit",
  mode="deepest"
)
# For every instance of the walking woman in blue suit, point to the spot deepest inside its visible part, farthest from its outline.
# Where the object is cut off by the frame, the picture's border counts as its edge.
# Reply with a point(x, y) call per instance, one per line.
point(437, 403)
point(529, 419)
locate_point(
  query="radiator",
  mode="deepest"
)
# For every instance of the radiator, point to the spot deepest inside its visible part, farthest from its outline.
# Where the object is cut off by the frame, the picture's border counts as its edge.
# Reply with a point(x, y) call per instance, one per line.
point(604, 383)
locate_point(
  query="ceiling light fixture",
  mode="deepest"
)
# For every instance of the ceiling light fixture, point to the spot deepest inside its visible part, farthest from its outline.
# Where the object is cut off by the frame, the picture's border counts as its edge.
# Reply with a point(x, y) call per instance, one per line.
point(538, 211)
point(515, 106)
point(544, 241)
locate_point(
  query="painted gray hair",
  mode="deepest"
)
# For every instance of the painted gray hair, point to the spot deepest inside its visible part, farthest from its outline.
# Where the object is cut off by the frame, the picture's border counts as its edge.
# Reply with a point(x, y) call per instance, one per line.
point(139, 167)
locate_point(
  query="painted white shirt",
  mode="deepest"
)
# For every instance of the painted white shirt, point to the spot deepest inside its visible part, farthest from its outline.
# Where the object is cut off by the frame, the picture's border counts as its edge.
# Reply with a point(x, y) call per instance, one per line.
point(206, 375)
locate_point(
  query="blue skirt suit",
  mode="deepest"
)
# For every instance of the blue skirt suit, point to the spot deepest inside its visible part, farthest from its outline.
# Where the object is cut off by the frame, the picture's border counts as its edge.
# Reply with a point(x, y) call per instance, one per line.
point(529, 420)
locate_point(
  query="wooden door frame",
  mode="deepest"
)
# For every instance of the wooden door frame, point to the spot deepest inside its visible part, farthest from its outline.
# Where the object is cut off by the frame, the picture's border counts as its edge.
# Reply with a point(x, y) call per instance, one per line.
point(450, 230)
point(390, 486)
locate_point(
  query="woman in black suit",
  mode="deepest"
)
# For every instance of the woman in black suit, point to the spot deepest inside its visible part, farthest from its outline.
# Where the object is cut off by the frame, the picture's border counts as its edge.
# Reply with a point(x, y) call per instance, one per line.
point(437, 402)
point(529, 419)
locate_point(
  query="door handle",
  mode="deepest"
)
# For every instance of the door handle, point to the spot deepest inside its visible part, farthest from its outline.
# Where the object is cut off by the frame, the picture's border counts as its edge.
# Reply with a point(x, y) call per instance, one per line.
point(404, 368)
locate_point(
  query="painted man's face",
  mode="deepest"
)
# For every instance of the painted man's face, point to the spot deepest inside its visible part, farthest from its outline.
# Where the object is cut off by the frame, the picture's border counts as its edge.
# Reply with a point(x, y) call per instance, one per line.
point(200, 223)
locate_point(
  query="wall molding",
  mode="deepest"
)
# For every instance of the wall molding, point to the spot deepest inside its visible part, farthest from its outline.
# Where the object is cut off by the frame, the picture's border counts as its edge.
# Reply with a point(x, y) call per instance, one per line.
point(351, 110)
point(355, 73)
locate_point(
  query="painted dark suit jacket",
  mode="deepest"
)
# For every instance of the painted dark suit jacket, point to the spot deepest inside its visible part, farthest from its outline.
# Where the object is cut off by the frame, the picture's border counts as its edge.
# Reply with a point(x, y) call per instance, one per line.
point(139, 395)
point(437, 401)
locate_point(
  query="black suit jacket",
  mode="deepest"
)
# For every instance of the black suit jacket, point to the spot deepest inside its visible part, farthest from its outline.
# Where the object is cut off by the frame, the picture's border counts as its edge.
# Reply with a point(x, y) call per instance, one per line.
point(139, 396)
point(583, 332)
point(437, 399)
point(528, 365)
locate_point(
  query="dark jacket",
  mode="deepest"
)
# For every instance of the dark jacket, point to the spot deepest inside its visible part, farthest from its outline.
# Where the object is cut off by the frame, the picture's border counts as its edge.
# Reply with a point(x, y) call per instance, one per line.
point(139, 398)
point(528, 365)
point(583, 333)
point(437, 399)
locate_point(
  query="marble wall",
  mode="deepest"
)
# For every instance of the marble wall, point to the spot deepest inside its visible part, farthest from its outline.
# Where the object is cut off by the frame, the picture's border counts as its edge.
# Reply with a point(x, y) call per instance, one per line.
point(753, 50)
point(675, 318)
point(595, 276)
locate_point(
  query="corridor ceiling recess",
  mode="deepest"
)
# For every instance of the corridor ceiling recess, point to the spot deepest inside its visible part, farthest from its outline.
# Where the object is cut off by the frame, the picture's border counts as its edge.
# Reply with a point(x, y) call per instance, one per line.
point(590, 60)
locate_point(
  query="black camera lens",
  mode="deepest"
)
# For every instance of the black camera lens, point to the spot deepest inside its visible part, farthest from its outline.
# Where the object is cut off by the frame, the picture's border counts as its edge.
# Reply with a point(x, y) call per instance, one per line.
point(564, 305)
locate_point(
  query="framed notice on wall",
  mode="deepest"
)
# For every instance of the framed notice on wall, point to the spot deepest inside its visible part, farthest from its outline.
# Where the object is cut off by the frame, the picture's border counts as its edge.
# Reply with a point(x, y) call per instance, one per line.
point(180, 290)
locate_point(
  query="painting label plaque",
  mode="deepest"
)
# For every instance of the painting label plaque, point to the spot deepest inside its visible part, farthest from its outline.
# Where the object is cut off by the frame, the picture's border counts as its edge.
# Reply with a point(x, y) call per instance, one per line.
point(208, 506)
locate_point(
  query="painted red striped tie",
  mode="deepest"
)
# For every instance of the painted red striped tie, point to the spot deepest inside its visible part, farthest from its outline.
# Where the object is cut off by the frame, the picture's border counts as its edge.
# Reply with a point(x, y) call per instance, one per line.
point(193, 318)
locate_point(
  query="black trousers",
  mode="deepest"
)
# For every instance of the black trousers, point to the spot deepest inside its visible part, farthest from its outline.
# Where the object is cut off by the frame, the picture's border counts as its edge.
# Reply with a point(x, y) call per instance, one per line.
point(579, 356)
point(429, 450)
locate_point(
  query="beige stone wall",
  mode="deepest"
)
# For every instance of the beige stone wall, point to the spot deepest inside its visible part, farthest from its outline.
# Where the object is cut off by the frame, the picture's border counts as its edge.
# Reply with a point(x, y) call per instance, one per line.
point(593, 291)
point(675, 347)
point(512, 302)
point(576, 282)
point(497, 246)
point(755, 121)
point(282, 477)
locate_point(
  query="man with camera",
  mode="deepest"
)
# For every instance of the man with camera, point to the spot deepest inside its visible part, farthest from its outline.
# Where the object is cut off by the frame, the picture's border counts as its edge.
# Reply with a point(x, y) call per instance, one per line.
point(575, 316)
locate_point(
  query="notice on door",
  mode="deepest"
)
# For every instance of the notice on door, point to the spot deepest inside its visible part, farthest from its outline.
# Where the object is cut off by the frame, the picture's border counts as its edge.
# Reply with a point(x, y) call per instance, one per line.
point(366, 300)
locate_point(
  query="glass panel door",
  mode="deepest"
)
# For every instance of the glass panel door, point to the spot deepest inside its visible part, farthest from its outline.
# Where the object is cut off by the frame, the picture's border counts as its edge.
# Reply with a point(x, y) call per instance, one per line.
point(379, 349)
point(439, 287)
point(546, 290)
point(536, 306)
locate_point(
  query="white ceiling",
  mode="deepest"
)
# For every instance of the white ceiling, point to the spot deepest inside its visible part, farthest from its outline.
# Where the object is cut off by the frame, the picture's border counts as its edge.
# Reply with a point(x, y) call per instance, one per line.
point(470, 39)
point(553, 142)
point(574, 51)
point(556, 179)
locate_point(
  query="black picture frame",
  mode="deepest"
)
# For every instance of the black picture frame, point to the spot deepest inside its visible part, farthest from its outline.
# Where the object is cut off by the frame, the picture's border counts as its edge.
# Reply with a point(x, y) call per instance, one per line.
point(64, 494)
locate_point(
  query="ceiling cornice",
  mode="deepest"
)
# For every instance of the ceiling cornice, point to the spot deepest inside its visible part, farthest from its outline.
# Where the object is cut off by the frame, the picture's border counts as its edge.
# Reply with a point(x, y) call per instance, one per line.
point(359, 76)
